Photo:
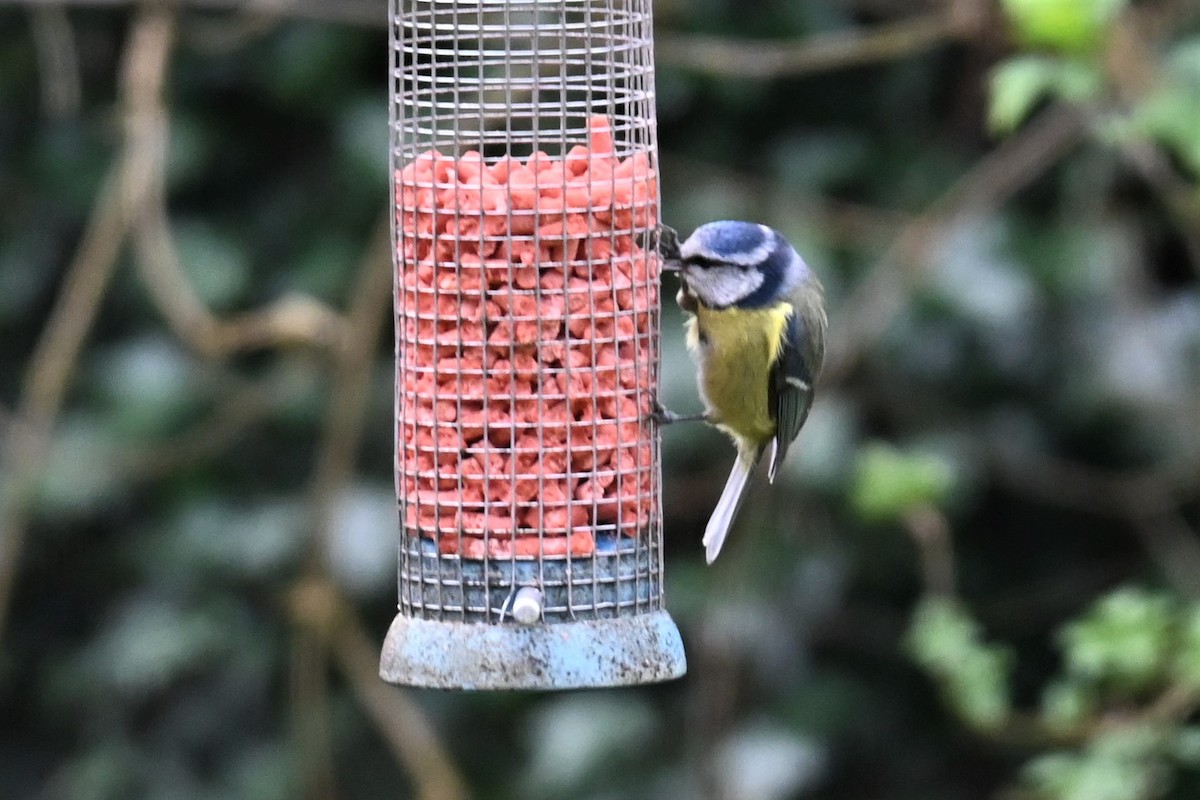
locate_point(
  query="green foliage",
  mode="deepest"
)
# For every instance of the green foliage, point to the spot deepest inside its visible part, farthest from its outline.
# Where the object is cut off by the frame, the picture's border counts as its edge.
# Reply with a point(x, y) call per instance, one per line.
point(1131, 640)
point(889, 482)
point(1186, 664)
point(1021, 320)
point(1066, 704)
point(945, 640)
point(1170, 114)
point(1073, 26)
point(216, 264)
point(1125, 641)
point(1020, 82)
point(80, 476)
point(1122, 764)
point(1073, 73)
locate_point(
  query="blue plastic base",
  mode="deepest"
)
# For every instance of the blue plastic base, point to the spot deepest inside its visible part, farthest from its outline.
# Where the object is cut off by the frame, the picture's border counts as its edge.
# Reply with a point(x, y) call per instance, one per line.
point(625, 651)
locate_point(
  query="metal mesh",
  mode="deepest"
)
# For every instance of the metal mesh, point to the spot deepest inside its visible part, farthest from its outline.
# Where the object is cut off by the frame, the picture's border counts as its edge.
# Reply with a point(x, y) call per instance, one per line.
point(525, 169)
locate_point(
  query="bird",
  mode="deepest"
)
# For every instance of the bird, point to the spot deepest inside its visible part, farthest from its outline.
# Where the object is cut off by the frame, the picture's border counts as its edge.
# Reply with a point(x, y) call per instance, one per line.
point(756, 330)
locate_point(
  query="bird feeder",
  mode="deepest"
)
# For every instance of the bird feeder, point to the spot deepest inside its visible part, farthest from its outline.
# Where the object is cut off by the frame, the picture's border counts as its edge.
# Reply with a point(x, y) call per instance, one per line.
point(525, 184)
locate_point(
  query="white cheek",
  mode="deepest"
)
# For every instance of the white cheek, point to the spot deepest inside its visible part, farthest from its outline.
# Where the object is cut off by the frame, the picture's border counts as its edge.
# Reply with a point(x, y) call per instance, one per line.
point(723, 286)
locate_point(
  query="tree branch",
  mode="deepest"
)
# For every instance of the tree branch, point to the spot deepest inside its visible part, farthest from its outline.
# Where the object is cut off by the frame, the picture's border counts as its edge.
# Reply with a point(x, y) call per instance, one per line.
point(342, 435)
point(323, 613)
point(1149, 501)
point(293, 320)
point(991, 182)
point(88, 277)
point(359, 13)
point(58, 60)
point(715, 55)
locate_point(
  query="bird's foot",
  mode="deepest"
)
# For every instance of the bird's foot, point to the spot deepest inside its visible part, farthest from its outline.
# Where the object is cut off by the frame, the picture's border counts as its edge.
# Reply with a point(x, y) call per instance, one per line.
point(667, 242)
point(661, 415)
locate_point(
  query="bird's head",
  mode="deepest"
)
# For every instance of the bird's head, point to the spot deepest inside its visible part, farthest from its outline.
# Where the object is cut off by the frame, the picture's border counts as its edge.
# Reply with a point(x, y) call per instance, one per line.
point(738, 264)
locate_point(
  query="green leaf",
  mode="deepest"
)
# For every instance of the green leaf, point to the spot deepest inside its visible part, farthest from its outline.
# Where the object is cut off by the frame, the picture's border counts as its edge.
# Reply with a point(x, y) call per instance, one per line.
point(1172, 115)
point(1124, 640)
point(1183, 60)
point(148, 384)
point(941, 632)
point(149, 644)
point(946, 641)
point(1070, 26)
point(1016, 86)
point(1187, 654)
point(890, 482)
point(1053, 775)
point(216, 263)
point(1185, 745)
point(81, 473)
point(1066, 704)
point(1124, 763)
point(978, 688)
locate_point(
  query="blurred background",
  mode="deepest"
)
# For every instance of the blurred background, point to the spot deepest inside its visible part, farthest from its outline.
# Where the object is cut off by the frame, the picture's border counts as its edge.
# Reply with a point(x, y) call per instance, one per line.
point(978, 576)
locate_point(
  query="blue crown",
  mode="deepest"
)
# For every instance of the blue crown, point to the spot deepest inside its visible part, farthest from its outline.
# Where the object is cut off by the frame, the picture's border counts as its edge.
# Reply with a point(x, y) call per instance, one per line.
point(731, 238)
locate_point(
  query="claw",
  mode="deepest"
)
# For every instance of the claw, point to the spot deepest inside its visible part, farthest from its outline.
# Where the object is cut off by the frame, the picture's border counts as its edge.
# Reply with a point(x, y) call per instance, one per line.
point(661, 415)
point(668, 247)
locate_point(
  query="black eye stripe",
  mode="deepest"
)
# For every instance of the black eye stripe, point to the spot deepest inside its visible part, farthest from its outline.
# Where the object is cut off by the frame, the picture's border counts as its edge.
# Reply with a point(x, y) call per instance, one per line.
point(706, 262)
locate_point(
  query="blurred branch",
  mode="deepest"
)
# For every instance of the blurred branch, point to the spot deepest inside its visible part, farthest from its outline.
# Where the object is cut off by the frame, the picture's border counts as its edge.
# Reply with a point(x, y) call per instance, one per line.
point(88, 277)
point(292, 320)
point(1133, 70)
point(1174, 546)
point(845, 223)
point(1174, 704)
point(308, 691)
point(360, 13)
point(1149, 501)
point(370, 303)
point(990, 183)
point(1178, 197)
point(715, 55)
point(318, 607)
point(405, 728)
point(226, 34)
point(929, 529)
point(317, 603)
point(239, 406)
point(58, 60)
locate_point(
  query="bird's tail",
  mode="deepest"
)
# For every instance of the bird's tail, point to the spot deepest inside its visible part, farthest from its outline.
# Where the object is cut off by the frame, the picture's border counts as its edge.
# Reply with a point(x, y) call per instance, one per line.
point(727, 507)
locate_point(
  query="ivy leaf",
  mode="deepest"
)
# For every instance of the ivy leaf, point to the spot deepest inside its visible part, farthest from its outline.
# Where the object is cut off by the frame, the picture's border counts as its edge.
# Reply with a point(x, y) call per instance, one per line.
point(1187, 655)
point(1069, 26)
point(1124, 640)
point(1066, 704)
point(946, 641)
point(1016, 86)
point(1172, 116)
point(1185, 746)
point(1121, 764)
point(890, 482)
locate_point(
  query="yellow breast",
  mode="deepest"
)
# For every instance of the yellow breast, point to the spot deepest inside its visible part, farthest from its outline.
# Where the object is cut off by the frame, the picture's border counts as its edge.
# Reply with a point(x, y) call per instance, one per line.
point(735, 350)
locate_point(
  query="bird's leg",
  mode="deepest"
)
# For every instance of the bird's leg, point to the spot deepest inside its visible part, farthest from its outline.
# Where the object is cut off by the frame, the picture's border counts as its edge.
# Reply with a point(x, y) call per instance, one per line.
point(661, 415)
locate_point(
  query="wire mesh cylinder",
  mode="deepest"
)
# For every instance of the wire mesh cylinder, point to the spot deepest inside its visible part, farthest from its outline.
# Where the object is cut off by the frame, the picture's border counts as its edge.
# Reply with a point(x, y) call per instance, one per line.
point(526, 199)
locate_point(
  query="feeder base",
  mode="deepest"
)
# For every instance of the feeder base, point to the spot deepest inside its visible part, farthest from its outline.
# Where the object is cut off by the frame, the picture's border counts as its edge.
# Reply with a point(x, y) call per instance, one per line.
point(645, 648)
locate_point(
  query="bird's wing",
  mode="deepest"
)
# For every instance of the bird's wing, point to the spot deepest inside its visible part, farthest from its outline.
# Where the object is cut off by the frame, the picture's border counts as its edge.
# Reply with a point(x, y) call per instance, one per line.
point(792, 383)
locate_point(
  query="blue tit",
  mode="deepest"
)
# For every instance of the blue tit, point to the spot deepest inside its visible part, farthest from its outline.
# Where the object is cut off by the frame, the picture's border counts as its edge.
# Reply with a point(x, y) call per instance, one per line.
point(757, 333)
